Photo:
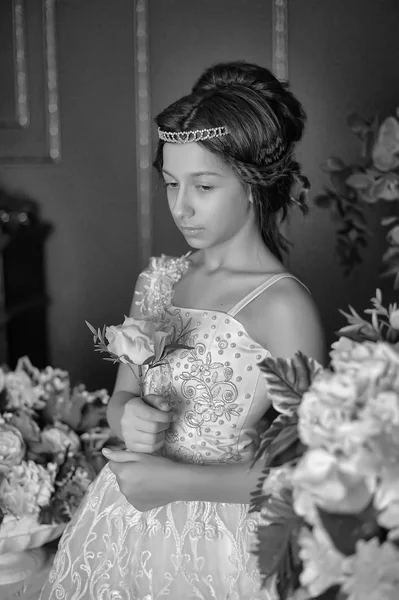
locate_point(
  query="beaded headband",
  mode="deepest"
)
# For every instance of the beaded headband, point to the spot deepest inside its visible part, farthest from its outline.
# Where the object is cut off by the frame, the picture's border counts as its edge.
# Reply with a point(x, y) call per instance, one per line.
point(197, 135)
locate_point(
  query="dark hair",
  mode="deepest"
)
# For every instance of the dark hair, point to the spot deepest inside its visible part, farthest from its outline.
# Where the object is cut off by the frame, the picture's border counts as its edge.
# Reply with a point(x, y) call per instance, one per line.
point(264, 120)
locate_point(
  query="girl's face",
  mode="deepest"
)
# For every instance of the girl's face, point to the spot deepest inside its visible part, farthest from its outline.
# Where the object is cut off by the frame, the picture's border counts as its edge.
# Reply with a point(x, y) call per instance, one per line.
point(208, 202)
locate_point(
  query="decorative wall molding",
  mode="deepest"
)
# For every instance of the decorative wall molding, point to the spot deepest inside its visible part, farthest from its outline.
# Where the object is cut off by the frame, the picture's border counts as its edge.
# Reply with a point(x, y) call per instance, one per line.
point(143, 108)
point(280, 39)
point(18, 144)
point(53, 114)
point(143, 131)
point(22, 104)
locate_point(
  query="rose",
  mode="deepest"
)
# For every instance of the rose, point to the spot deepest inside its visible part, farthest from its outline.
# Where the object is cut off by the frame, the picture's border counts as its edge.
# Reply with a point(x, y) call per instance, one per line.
point(136, 341)
point(12, 447)
point(26, 488)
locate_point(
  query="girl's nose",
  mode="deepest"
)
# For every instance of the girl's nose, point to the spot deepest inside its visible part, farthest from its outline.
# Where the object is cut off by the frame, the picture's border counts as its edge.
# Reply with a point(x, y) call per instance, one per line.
point(183, 207)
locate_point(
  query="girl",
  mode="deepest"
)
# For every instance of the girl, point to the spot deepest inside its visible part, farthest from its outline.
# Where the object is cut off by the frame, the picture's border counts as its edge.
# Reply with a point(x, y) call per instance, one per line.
point(177, 526)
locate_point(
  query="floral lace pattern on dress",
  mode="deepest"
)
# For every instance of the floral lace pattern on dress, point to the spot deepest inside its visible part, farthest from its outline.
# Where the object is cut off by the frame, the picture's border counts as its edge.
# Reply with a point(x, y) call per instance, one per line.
point(162, 273)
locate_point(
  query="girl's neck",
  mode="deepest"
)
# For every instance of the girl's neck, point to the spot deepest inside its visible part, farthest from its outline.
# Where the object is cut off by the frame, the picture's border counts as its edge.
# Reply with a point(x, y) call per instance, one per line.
point(236, 254)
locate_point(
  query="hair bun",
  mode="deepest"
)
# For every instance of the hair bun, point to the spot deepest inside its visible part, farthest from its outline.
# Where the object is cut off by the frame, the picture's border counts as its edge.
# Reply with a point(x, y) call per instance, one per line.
point(228, 75)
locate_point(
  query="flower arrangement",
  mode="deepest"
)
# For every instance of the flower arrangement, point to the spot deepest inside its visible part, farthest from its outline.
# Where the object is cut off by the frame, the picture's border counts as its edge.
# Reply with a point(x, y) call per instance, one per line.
point(50, 447)
point(329, 491)
point(358, 186)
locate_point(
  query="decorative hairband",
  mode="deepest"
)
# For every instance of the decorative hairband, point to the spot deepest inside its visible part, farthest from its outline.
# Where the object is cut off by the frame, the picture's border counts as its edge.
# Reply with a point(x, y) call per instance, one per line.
point(197, 135)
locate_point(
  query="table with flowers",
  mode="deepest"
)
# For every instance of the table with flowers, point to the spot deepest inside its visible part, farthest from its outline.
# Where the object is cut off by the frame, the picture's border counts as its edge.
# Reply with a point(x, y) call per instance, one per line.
point(51, 435)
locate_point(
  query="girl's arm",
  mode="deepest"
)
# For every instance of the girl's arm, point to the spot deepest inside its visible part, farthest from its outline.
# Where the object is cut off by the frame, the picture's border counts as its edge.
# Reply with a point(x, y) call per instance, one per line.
point(217, 483)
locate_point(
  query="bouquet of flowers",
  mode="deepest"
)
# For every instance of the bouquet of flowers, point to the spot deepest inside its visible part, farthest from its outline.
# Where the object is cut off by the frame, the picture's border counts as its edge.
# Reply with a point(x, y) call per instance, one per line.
point(358, 186)
point(51, 437)
point(329, 492)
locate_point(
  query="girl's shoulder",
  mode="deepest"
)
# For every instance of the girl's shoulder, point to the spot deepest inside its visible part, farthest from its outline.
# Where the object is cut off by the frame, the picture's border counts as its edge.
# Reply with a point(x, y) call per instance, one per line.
point(286, 319)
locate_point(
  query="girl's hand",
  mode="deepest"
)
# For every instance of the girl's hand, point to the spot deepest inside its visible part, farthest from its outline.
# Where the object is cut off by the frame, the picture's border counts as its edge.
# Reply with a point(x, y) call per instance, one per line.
point(144, 422)
point(146, 481)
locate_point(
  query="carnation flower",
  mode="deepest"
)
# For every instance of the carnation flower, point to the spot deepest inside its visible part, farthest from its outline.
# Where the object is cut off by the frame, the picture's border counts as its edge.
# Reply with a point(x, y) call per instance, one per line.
point(12, 447)
point(21, 393)
point(372, 573)
point(53, 382)
point(322, 563)
point(26, 488)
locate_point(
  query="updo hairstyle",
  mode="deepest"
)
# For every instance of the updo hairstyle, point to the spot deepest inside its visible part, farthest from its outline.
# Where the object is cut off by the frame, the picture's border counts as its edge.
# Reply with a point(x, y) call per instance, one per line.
point(264, 121)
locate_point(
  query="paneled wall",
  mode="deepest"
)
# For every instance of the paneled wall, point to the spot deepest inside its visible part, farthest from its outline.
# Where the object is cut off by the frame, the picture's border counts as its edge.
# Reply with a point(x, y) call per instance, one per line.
point(343, 57)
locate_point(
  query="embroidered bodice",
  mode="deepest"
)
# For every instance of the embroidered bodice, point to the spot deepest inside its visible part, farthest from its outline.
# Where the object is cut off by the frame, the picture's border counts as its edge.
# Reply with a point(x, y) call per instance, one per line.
point(216, 387)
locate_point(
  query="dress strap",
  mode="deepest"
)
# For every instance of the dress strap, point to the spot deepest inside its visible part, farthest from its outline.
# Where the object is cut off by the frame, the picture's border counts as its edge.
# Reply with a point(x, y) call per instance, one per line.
point(258, 290)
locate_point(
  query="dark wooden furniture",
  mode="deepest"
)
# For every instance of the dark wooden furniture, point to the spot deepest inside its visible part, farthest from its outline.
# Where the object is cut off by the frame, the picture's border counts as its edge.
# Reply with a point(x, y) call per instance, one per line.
point(23, 295)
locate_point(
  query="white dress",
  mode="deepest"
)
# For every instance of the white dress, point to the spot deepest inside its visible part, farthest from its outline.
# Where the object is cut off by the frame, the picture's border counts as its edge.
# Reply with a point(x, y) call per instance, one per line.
point(184, 550)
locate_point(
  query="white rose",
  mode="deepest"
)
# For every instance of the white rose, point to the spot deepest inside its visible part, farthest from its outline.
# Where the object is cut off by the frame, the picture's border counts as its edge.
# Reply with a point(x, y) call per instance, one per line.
point(135, 341)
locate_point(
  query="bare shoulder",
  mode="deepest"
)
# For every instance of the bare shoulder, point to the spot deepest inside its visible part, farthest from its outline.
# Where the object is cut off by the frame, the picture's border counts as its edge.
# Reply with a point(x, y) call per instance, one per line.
point(285, 319)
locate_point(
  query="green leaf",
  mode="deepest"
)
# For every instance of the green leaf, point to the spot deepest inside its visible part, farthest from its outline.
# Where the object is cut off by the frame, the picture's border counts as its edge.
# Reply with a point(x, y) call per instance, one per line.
point(94, 332)
point(333, 164)
point(333, 593)
point(359, 181)
point(288, 379)
point(277, 548)
point(388, 221)
point(359, 126)
point(323, 200)
point(346, 529)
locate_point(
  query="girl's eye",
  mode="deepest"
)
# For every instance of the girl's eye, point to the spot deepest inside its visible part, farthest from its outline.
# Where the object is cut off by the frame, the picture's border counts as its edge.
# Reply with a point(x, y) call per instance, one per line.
point(170, 184)
point(206, 188)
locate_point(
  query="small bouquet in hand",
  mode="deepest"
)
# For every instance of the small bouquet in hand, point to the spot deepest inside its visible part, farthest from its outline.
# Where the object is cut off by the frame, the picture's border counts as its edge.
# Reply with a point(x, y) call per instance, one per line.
point(329, 493)
point(144, 344)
